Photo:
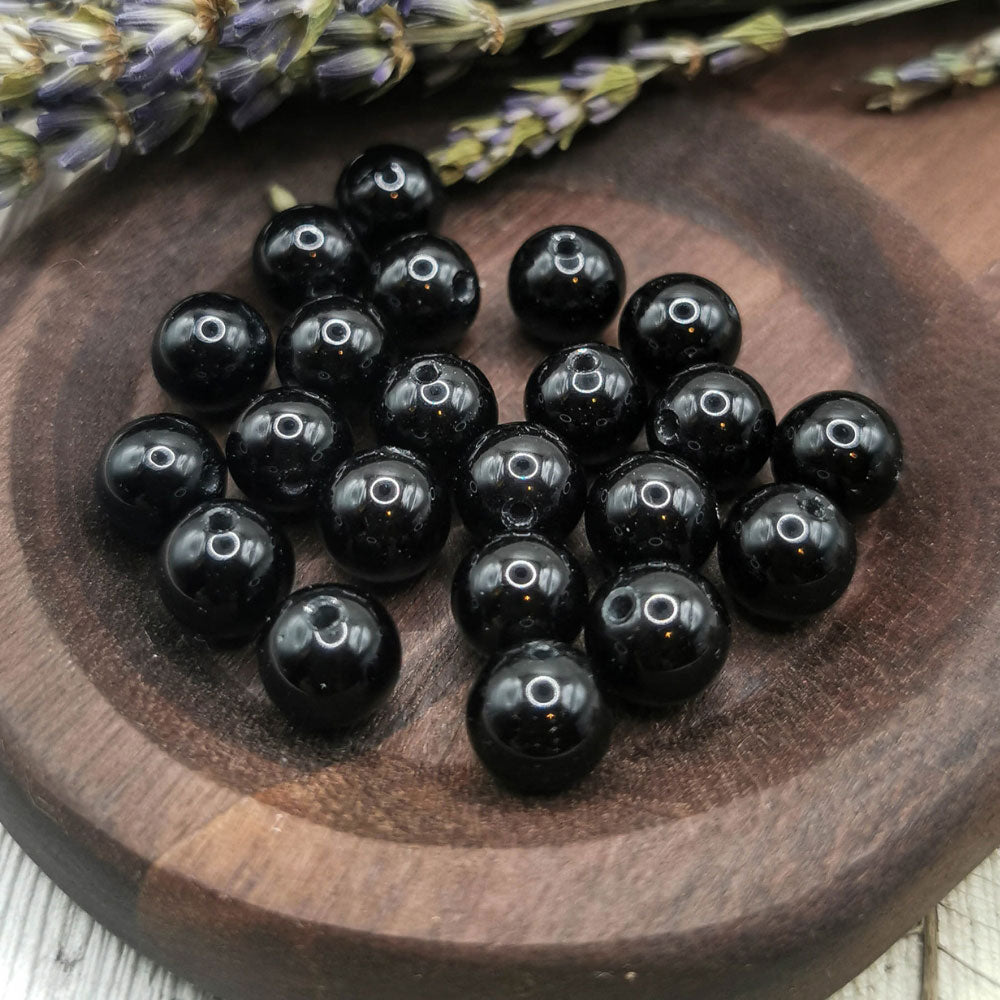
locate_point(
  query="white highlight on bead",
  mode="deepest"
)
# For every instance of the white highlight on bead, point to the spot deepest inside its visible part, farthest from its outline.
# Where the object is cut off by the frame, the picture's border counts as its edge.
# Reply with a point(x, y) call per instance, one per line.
point(792, 528)
point(160, 457)
point(526, 459)
point(542, 691)
point(224, 545)
point(714, 403)
point(288, 426)
point(840, 423)
point(336, 332)
point(308, 237)
point(566, 263)
point(423, 267)
point(391, 497)
point(684, 310)
point(516, 576)
point(654, 612)
point(655, 494)
point(210, 329)
point(435, 393)
point(396, 182)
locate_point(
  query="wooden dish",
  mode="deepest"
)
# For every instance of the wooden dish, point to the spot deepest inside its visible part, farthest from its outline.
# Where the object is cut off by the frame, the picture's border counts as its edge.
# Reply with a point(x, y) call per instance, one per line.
point(767, 840)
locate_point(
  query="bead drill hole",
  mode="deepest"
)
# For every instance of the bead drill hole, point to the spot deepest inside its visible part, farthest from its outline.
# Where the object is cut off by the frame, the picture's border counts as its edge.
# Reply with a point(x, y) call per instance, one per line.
point(519, 513)
point(426, 372)
point(584, 361)
point(221, 520)
point(620, 606)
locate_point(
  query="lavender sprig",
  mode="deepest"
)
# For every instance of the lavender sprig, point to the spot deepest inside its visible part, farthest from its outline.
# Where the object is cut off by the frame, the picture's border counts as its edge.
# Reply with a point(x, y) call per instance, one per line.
point(20, 164)
point(946, 69)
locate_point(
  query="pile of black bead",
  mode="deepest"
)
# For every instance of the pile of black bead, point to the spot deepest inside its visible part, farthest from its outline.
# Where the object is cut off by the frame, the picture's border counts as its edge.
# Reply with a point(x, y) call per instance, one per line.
point(370, 284)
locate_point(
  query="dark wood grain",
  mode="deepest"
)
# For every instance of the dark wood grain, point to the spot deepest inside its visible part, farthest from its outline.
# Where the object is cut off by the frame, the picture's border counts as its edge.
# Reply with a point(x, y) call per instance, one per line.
point(769, 839)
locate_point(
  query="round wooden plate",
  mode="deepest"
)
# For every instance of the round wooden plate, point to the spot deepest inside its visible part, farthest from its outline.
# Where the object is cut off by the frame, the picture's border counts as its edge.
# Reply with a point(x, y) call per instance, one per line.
point(768, 839)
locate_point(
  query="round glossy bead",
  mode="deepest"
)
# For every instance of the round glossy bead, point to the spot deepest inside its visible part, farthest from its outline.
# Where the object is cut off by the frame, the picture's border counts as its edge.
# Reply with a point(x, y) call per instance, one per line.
point(153, 471)
point(786, 552)
point(212, 351)
point(285, 447)
point(427, 289)
point(657, 634)
point(515, 588)
point(390, 191)
point(385, 516)
point(308, 251)
point(651, 506)
point(435, 405)
point(845, 445)
point(224, 568)
point(337, 347)
point(717, 418)
point(520, 477)
point(566, 284)
point(536, 718)
point(590, 396)
point(329, 657)
point(676, 321)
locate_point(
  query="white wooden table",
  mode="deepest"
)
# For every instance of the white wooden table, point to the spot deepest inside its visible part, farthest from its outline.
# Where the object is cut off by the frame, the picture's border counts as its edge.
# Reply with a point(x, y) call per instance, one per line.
point(51, 950)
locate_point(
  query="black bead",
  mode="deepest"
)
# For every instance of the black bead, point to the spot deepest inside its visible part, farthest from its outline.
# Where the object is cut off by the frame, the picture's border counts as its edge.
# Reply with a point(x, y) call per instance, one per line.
point(651, 506)
point(427, 289)
point(329, 657)
point(845, 445)
point(566, 284)
point(717, 418)
point(520, 477)
point(657, 633)
point(435, 405)
point(676, 321)
point(786, 552)
point(308, 251)
point(390, 191)
point(515, 588)
point(335, 346)
point(591, 397)
point(212, 351)
point(536, 718)
point(385, 516)
point(153, 471)
point(224, 568)
point(285, 447)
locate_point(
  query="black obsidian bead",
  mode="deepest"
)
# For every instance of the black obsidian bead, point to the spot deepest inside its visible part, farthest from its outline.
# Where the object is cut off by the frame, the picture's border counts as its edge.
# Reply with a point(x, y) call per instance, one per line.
point(520, 477)
point(786, 552)
point(566, 284)
point(285, 447)
point(537, 719)
point(515, 588)
point(717, 418)
point(308, 251)
point(427, 289)
point(385, 515)
point(435, 405)
point(676, 321)
point(153, 471)
point(335, 346)
point(657, 633)
point(845, 445)
point(651, 506)
point(224, 568)
point(591, 397)
point(212, 351)
point(390, 191)
point(329, 657)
